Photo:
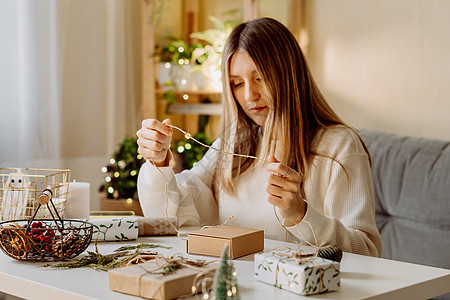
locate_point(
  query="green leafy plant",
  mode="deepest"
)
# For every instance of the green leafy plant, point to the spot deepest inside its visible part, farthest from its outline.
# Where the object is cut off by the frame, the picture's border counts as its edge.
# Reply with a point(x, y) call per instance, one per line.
point(176, 55)
point(201, 57)
point(176, 50)
point(209, 55)
point(122, 170)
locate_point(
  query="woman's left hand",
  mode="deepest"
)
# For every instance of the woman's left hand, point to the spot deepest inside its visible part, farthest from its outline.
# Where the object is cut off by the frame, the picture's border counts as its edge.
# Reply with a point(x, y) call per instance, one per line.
point(285, 192)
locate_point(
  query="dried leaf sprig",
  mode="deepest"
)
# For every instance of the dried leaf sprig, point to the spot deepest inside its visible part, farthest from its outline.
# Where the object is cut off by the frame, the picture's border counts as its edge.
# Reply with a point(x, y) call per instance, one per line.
point(122, 257)
point(141, 246)
point(168, 268)
point(93, 260)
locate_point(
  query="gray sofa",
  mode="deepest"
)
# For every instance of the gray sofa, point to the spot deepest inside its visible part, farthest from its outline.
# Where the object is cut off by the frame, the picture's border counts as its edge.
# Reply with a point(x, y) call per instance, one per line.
point(412, 195)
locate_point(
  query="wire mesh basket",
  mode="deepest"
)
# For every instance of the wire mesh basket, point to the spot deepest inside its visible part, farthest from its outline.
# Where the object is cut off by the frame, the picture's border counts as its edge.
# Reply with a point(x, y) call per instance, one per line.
point(20, 187)
point(45, 239)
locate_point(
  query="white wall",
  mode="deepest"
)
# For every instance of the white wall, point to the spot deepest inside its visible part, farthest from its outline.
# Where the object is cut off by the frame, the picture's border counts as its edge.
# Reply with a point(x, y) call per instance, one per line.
point(384, 64)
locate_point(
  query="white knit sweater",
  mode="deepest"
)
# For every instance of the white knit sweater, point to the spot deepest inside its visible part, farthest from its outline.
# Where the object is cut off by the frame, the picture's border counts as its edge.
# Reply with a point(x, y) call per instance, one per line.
point(340, 196)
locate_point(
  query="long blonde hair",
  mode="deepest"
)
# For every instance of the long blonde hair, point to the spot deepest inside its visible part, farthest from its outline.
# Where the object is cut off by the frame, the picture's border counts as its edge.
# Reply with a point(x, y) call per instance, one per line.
point(298, 109)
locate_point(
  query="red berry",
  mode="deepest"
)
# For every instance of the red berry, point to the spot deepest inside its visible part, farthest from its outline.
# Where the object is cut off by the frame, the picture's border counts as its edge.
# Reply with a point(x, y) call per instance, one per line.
point(39, 224)
point(47, 248)
point(48, 239)
point(36, 238)
point(34, 225)
point(41, 238)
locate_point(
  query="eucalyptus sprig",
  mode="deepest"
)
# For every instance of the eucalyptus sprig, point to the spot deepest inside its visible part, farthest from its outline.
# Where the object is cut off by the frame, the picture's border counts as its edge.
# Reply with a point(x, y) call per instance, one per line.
point(97, 261)
point(141, 246)
point(93, 260)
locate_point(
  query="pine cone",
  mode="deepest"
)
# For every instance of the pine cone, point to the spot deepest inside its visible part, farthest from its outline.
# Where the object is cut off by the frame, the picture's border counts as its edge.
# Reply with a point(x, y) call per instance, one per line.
point(67, 246)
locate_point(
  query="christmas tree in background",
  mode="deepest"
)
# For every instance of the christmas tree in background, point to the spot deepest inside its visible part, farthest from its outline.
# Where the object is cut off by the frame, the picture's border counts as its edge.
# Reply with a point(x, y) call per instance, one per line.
point(122, 171)
point(189, 151)
point(225, 281)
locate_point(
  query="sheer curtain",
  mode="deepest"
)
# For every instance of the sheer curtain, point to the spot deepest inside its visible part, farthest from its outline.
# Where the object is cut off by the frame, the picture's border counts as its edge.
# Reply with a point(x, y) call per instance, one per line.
point(29, 93)
point(69, 88)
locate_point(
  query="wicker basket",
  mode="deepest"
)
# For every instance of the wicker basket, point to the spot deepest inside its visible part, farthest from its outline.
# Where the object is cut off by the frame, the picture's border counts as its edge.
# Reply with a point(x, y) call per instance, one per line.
point(45, 239)
point(19, 188)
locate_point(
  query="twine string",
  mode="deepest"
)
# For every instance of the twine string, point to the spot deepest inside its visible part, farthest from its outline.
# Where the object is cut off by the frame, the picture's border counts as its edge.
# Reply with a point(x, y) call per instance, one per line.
point(187, 135)
point(166, 192)
point(166, 186)
point(300, 259)
point(220, 225)
point(201, 278)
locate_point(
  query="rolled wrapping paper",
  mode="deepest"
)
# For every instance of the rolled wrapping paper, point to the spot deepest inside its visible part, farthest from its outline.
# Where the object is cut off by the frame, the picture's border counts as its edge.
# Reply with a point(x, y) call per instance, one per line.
point(129, 228)
point(78, 201)
point(157, 225)
point(114, 229)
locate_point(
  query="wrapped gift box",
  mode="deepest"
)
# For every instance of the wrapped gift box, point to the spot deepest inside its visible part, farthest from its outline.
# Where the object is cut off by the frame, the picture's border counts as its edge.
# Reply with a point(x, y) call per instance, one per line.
point(140, 280)
point(313, 275)
point(210, 241)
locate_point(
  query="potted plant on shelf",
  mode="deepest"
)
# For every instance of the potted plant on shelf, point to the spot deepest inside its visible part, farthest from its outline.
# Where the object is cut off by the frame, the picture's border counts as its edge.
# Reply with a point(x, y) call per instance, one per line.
point(209, 56)
point(120, 186)
point(180, 62)
point(175, 66)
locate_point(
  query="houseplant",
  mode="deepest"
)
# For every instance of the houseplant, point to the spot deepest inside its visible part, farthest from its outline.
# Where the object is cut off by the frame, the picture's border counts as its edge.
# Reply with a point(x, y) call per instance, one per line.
point(209, 56)
point(179, 60)
point(175, 66)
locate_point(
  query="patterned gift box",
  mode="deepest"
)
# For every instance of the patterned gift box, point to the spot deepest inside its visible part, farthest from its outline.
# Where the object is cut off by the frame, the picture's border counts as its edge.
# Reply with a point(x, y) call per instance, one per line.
point(306, 276)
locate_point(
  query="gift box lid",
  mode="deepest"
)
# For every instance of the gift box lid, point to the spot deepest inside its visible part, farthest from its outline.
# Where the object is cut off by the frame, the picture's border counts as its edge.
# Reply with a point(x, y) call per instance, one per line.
point(210, 241)
point(307, 261)
point(225, 231)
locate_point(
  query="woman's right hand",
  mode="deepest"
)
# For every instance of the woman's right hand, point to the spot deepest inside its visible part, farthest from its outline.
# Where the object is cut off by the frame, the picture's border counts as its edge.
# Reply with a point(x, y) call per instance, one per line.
point(154, 140)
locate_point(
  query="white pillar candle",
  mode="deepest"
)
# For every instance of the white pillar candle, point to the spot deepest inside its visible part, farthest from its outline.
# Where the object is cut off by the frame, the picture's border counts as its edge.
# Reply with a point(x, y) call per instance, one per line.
point(78, 201)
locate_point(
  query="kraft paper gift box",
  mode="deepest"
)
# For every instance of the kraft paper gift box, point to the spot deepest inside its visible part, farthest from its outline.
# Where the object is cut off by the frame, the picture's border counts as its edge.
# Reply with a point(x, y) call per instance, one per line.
point(138, 280)
point(313, 275)
point(210, 241)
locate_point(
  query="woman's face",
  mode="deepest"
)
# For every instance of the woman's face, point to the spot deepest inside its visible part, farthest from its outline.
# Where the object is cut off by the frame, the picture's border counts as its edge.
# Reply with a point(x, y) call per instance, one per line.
point(247, 87)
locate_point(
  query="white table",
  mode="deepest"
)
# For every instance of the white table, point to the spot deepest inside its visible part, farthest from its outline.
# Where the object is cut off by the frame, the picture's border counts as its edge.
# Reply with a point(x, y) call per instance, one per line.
point(361, 278)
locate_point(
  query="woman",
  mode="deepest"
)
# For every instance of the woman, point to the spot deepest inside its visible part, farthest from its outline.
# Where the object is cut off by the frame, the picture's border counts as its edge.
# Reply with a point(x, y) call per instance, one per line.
point(313, 172)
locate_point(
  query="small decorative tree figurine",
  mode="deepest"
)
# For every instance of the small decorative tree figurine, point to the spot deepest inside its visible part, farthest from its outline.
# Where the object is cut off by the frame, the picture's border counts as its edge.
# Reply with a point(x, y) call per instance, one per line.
point(225, 281)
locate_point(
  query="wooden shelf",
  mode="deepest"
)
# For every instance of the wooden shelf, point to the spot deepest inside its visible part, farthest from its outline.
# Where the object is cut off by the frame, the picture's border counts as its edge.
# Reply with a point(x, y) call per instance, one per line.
point(160, 92)
point(195, 108)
